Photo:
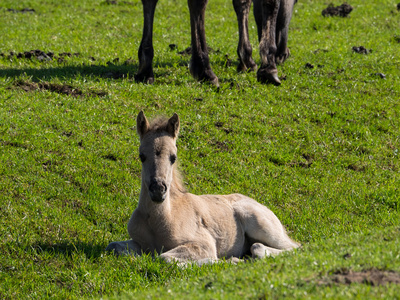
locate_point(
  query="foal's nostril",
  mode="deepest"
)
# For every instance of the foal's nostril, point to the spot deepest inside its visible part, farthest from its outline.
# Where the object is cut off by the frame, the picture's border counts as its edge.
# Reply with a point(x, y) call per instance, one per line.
point(153, 184)
point(157, 186)
point(158, 190)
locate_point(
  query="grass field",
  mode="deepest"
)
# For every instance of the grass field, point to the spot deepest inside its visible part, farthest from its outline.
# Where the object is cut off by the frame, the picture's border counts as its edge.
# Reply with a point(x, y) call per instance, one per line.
point(321, 150)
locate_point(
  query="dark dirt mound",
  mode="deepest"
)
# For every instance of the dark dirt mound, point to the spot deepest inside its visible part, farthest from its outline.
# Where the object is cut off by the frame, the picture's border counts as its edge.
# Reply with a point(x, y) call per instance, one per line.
point(361, 50)
point(173, 46)
point(39, 55)
point(43, 56)
point(398, 6)
point(356, 167)
point(341, 10)
point(63, 89)
point(372, 277)
point(187, 51)
point(24, 10)
point(309, 66)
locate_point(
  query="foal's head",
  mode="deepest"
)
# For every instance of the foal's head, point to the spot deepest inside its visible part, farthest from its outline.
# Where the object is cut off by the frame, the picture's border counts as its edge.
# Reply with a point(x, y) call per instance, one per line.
point(157, 152)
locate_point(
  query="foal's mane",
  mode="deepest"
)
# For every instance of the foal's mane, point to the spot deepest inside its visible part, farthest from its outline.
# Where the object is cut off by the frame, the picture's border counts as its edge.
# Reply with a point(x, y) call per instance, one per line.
point(159, 125)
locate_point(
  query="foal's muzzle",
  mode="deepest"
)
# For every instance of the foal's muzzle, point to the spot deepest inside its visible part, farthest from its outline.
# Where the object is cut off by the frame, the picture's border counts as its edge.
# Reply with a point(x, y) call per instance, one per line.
point(157, 190)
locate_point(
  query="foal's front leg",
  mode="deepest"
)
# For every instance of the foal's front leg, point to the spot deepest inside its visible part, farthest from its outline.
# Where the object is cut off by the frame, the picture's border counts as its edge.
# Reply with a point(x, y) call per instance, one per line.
point(146, 51)
point(200, 63)
point(191, 252)
point(244, 51)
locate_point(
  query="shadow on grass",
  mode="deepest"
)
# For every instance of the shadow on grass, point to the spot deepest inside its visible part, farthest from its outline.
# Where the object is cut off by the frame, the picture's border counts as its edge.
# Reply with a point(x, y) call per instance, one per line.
point(109, 71)
point(62, 72)
point(68, 249)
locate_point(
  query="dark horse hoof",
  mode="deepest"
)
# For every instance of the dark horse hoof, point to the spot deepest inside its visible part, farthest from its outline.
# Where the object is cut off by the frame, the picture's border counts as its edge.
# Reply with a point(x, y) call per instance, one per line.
point(280, 58)
point(268, 76)
point(202, 73)
point(207, 78)
point(249, 67)
point(144, 78)
point(214, 82)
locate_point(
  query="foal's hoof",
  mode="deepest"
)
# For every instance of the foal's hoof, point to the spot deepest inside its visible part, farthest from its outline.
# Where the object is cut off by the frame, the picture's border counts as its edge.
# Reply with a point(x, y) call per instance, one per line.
point(259, 251)
point(267, 76)
point(116, 249)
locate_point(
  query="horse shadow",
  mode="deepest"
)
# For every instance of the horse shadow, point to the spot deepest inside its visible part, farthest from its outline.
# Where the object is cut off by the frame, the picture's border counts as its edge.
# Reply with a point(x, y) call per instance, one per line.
point(67, 249)
point(109, 70)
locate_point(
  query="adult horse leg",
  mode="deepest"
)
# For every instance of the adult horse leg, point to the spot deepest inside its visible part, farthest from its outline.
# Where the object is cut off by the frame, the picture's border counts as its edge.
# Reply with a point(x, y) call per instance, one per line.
point(282, 30)
point(244, 51)
point(266, 15)
point(200, 63)
point(146, 51)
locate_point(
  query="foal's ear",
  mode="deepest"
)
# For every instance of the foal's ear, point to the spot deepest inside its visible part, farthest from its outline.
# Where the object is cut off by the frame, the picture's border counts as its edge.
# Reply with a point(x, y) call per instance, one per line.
point(173, 126)
point(142, 125)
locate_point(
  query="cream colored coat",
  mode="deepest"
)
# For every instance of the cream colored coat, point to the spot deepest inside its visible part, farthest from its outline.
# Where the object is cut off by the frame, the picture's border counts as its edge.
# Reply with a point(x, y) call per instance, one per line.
point(184, 227)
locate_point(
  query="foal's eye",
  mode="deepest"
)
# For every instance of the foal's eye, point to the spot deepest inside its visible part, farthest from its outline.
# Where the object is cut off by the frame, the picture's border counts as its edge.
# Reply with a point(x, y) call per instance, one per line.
point(142, 157)
point(172, 158)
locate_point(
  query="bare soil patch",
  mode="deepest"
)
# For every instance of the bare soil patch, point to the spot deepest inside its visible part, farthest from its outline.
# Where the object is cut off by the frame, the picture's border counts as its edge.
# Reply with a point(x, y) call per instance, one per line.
point(356, 167)
point(303, 164)
point(341, 11)
point(371, 277)
point(222, 146)
point(63, 89)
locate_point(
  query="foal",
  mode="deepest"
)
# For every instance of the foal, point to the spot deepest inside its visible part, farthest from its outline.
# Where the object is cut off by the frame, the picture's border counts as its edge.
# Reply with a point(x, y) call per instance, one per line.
point(184, 227)
point(272, 19)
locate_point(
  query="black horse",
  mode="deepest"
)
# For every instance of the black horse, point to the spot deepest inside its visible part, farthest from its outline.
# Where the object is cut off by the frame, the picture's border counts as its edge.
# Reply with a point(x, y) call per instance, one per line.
point(272, 18)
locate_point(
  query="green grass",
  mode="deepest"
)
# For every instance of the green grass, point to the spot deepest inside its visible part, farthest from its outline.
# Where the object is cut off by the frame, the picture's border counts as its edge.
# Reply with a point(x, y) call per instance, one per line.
point(306, 274)
point(322, 150)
